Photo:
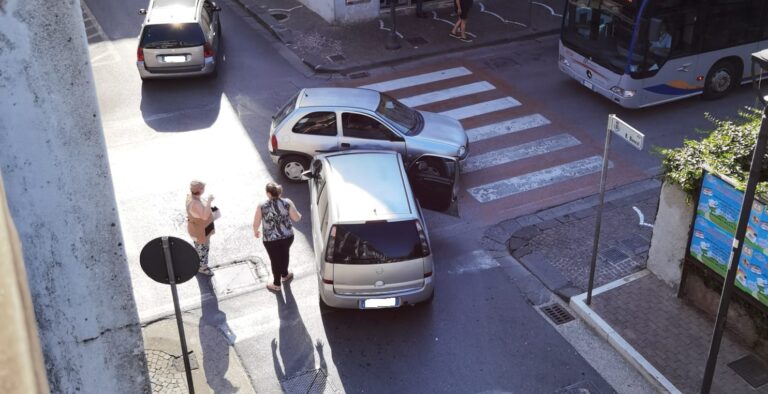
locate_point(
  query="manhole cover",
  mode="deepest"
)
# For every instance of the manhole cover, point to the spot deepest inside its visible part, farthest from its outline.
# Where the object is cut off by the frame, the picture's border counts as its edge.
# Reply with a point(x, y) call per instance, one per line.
point(557, 313)
point(613, 255)
point(417, 41)
point(315, 381)
point(500, 62)
point(239, 275)
point(279, 16)
point(357, 75)
point(337, 58)
point(752, 369)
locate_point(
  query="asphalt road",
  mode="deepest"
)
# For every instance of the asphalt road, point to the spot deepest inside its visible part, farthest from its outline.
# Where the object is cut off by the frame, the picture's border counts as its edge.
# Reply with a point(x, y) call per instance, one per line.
point(481, 334)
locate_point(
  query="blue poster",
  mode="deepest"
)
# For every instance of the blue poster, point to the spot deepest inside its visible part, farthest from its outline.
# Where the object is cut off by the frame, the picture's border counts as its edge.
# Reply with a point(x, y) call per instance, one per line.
point(717, 214)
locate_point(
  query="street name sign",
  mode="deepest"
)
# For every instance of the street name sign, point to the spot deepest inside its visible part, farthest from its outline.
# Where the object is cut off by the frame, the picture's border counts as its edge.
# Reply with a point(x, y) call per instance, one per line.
point(625, 131)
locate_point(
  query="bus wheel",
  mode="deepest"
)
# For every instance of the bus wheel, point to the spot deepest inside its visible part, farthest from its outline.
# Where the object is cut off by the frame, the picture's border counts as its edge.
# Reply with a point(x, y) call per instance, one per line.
point(721, 78)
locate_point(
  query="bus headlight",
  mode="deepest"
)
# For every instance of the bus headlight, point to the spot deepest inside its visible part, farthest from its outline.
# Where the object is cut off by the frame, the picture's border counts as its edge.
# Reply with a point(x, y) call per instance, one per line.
point(462, 151)
point(622, 92)
point(565, 61)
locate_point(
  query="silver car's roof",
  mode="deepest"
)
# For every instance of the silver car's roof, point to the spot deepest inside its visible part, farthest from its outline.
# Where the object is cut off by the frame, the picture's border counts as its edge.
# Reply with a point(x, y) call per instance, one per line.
point(172, 11)
point(339, 97)
point(368, 185)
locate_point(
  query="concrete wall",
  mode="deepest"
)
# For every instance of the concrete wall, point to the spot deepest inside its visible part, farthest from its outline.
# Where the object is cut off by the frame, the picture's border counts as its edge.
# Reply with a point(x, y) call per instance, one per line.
point(670, 234)
point(339, 12)
point(59, 190)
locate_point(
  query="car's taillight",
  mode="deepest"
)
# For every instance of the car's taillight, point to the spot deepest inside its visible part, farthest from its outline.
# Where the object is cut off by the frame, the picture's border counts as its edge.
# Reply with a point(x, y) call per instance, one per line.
point(423, 240)
point(328, 281)
point(207, 50)
point(273, 140)
point(331, 245)
point(428, 274)
point(140, 54)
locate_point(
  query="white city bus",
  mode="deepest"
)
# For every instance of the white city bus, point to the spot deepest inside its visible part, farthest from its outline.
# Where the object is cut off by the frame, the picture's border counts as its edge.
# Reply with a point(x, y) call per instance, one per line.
point(639, 53)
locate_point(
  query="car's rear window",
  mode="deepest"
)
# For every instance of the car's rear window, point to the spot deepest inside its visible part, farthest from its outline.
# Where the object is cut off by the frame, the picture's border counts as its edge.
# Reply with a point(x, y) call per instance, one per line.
point(376, 242)
point(178, 35)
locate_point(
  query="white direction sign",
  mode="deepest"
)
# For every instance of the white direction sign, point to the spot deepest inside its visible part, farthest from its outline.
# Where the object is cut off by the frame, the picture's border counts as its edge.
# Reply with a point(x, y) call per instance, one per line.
point(625, 131)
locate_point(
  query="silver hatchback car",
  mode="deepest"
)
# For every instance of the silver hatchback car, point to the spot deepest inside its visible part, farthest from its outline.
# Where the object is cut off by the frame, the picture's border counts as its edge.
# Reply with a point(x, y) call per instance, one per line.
point(320, 120)
point(179, 38)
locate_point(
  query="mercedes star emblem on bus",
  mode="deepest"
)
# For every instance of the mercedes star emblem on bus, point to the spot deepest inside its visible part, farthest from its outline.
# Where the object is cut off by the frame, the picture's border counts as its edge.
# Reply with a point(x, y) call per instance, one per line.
point(589, 74)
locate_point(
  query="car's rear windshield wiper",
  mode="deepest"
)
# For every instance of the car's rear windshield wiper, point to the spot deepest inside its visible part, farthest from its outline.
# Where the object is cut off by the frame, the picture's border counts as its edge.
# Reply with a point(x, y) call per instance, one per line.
point(163, 44)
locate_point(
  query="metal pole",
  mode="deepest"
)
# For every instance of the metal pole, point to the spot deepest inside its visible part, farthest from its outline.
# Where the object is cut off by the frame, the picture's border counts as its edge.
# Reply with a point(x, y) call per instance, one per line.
point(741, 229)
point(603, 176)
point(177, 308)
point(392, 40)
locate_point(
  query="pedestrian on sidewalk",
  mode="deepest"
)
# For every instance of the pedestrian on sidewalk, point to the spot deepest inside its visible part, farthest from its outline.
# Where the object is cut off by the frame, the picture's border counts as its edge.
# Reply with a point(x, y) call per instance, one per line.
point(274, 216)
point(200, 223)
point(460, 27)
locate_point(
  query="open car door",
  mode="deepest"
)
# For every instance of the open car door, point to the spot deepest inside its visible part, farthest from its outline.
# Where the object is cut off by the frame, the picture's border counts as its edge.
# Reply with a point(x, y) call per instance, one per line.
point(435, 183)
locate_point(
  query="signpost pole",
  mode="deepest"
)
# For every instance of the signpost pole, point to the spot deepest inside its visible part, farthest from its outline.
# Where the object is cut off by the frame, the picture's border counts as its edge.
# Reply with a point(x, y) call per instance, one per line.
point(177, 308)
point(603, 176)
point(736, 247)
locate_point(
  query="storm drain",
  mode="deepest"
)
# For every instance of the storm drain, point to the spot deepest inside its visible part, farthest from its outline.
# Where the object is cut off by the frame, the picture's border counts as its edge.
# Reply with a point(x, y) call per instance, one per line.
point(752, 369)
point(279, 16)
point(357, 75)
point(417, 41)
point(308, 382)
point(557, 313)
point(613, 255)
point(337, 58)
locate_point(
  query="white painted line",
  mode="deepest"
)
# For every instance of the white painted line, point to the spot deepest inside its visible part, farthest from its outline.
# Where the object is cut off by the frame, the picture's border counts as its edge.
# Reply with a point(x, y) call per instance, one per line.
point(447, 94)
point(534, 180)
point(481, 108)
point(506, 127)
point(285, 10)
point(642, 217)
point(519, 152)
point(622, 346)
point(418, 79)
point(381, 26)
point(551, 11)
point(482, 9)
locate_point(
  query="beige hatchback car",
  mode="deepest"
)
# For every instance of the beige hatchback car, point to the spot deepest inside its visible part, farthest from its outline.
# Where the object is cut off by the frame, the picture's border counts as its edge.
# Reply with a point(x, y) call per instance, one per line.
point(179, 38)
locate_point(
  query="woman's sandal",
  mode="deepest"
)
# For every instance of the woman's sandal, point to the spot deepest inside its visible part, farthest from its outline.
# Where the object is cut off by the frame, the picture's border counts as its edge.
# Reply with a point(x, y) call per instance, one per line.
point(205, 271)
point(272, 287)
point(287, 277)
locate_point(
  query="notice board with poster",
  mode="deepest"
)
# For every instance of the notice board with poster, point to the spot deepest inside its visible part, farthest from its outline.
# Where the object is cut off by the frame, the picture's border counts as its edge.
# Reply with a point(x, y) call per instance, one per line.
point(714, 227)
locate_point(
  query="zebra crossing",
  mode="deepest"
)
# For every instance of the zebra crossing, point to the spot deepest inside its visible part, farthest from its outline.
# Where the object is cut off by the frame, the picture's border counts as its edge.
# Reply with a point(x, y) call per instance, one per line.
point(521, 158)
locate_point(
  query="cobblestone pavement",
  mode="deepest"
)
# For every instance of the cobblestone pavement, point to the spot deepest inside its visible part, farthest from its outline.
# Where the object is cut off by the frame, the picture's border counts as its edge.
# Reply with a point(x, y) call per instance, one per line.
point(672, 335)
point(164, 374)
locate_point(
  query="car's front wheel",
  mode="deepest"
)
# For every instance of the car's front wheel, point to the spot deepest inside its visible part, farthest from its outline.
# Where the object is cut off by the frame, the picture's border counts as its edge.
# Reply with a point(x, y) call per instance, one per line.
point(293, 166)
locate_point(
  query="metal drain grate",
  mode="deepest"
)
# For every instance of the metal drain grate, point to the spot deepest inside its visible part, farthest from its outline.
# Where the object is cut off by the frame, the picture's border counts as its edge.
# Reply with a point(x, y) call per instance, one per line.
point(752, 369)
point(417, 41)
point(357, 75)
point(557, 313)
point(337, 58)
point(613, 255)
point(315, 381)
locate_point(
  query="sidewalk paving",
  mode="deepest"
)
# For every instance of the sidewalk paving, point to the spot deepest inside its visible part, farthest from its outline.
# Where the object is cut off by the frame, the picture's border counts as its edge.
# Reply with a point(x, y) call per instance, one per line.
point(663, 336)
point(344, 49)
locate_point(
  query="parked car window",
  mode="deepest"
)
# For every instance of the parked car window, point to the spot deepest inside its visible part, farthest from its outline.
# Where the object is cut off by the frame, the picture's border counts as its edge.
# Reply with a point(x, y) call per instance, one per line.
point(317, 123)
point(376, 242)
point(361, 126)
point(403, 117)
point(205, 16)
point(172, 36)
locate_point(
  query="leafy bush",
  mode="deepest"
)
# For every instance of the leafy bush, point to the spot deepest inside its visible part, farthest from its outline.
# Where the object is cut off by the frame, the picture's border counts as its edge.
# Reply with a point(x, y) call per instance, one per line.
point(727, 150)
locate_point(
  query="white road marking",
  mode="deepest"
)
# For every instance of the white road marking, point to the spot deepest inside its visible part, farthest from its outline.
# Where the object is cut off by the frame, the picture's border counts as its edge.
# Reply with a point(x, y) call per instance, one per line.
point(285, 10)
point(642, 217)
point(480, 260)
point(418, 79)
point(381, 26)
point(519, 152)
point(506, 127)
point(447, 94)
point(534, 180)
point(551, 11)
point(481, 108)
point(482, 9)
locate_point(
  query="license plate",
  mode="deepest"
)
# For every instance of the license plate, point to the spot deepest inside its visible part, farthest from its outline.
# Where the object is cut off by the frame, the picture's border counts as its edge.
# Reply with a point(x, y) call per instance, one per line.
point(587, 84)
point(175, 59)
point(379, 303)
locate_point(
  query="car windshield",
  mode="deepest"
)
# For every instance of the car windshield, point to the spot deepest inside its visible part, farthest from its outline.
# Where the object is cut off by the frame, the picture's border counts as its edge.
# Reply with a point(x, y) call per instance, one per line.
point(404, 118)
point(287, 108)
point(177, 35)
point(601, 30)
point(376, 242)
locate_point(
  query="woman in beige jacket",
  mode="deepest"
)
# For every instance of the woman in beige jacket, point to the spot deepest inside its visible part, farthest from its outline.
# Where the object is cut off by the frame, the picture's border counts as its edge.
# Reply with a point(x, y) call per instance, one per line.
point(199, 218)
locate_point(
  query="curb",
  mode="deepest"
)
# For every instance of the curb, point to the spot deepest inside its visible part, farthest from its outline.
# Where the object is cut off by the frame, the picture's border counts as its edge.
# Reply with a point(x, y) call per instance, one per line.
point(626, 350)
point(285, 36)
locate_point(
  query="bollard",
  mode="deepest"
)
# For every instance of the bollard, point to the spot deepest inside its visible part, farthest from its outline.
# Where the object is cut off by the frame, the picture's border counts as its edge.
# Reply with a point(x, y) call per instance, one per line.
point(393, 41)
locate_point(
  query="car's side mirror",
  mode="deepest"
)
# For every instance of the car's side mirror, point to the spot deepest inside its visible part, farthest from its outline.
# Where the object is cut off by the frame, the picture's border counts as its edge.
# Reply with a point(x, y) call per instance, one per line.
point(215, 7)
point(307, 175)
point(142, 11)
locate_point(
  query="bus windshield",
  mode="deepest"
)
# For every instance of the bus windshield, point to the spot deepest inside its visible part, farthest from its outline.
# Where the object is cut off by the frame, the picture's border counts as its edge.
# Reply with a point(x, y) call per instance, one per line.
point(601, 31)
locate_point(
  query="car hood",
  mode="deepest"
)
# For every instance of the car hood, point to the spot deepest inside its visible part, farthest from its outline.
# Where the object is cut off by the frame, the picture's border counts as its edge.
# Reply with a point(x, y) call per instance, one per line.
point(440, 129)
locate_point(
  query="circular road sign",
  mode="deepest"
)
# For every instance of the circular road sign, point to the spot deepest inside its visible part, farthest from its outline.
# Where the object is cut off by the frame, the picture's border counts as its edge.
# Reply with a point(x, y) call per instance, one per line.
point(184, 257)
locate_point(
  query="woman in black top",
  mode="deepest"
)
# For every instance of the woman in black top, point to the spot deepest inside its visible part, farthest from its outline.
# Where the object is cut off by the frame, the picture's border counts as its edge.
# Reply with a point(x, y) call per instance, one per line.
point(274, 216)
point(462, 10)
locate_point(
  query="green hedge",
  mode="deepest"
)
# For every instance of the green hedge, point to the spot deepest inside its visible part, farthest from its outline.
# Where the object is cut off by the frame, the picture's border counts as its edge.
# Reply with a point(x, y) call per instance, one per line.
point(727, 150)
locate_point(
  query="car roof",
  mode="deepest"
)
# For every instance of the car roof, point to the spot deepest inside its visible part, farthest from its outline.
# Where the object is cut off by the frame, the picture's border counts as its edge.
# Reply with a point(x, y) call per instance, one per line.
point(368, 185)
point(173, 11)
point(339, 97)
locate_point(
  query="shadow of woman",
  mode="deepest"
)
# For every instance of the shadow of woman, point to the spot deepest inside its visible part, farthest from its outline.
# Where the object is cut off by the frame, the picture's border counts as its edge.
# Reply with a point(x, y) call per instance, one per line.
point(293, 353)
point(215, 339)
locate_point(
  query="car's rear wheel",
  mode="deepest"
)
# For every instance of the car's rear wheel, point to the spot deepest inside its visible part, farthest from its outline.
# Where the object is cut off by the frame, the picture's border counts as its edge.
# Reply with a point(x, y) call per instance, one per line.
point(292, 166)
